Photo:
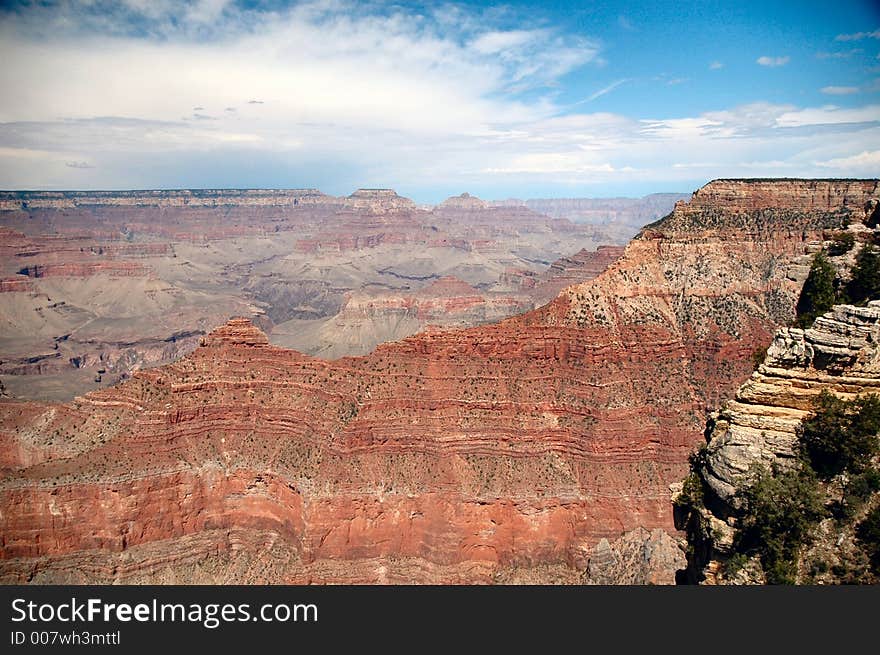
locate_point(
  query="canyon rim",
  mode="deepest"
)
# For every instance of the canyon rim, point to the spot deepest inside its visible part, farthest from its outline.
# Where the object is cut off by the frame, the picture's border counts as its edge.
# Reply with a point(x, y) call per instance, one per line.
point(537, 449)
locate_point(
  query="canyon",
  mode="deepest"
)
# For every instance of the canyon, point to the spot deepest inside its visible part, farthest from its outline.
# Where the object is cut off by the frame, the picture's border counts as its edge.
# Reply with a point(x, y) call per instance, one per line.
point(96, 285)
point(542, 448)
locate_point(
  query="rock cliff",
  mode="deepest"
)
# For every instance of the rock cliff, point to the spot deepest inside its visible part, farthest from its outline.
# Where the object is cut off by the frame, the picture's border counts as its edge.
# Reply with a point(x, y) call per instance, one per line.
point(506, 452)
point(97, 284)
point(758, 430)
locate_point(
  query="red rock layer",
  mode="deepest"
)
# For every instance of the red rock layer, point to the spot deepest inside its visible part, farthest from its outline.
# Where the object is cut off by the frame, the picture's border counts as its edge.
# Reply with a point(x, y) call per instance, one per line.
point(13, 284)
point(460, 456)
point(86, 269)
point(447, 301)
point(580, 267)
point(799, 195)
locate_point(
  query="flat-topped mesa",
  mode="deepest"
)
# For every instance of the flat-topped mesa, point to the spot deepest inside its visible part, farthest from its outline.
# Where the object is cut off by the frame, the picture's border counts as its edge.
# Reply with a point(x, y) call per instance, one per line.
point(447, 286)
point(378, 201)
point(781, 193)
point(770, 207)
point(236, 331)
point(18, 200)
point(464, 202)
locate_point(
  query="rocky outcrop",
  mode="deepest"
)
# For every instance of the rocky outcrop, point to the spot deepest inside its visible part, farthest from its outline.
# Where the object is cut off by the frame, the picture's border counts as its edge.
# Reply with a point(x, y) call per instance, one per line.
point(378, 201)
point(838, 353)
point(638, 557)
point(464, 202)
point(86, 269)
point(28, 200)
point(15, 284)
point(758, 429)
point(580, 267)
point(504, 452)
point(792, 194)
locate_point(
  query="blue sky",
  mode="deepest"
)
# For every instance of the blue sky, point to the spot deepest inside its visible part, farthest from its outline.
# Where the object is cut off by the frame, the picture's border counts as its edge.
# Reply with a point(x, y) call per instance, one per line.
point(501, 100)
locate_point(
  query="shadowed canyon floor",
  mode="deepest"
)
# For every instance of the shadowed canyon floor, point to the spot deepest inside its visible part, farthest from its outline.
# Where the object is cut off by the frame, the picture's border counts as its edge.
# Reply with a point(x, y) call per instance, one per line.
point(95, 285)
point(538, 449)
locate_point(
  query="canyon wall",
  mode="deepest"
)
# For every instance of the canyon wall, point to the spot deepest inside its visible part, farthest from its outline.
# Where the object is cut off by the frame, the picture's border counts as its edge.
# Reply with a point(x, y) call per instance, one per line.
point(537, 449)
point(758, 430)
point(94, 285)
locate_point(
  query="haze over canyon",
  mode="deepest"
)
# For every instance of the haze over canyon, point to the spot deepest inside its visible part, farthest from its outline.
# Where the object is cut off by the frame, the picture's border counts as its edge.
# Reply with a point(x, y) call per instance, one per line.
point(318, 389)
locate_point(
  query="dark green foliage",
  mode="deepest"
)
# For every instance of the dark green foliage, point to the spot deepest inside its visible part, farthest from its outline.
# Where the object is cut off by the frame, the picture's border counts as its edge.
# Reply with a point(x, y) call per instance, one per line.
point(758, 357)
point(856, 490)
point(818, 294)
point(843, 243)
point(735, 564)
point(864, 284)
point(868, 536)
point(691, 496)
point(699, 459)
point(841, 436)
point(780, 512)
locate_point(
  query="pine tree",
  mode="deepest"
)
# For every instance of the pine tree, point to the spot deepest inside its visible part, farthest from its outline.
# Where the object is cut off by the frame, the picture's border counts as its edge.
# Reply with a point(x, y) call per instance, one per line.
point(865, 282)
point(818, 294)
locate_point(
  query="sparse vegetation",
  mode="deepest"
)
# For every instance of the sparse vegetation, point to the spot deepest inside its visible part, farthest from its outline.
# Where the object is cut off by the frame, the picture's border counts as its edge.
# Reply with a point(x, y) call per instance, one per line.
point(864, 284)
point(842, 244)
point(835, 478)
point(868, 536)
point(821, 290)
point(781, 511)
point(758, 357)
point(818, 294)
point(841, 436)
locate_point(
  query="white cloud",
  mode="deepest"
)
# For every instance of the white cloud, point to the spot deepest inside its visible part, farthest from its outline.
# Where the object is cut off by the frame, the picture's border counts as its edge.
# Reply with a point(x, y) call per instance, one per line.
point(839, 55)
point(828, 115)
point(607, 89)
point(309, 65)
point(863, 161)
point(839, 90)
point(553, 163)
point(391, 98)
point(858, 36)
point(773, 61)
point(716, 65)
point(494, 42)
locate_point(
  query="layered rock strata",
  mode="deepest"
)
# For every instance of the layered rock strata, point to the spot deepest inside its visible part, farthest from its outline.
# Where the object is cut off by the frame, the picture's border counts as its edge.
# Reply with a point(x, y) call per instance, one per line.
point(94, 285)
point(505, 452)
point(758, 428)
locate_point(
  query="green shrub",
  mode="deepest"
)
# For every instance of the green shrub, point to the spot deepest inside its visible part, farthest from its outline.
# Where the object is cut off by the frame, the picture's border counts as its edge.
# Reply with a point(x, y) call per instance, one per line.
point(843, 243)
point(735, 564)
point(691, 496)
point(858, 490)
point(864, 284)
point(868, 537)
point(841, 436)
point(758, 357)
point(780, 512)
point(818, 294)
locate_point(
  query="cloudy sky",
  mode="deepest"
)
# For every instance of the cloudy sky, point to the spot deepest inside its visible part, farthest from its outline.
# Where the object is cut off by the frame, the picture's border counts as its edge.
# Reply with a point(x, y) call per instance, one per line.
point(520, 99)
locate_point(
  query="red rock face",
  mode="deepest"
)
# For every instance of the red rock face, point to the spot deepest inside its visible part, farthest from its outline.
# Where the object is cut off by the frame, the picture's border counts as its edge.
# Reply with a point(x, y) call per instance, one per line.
point(182, 262)
point(86, 269)
point(14, 284)
point(501, 452)
point(798, 195)
point(580, 267)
